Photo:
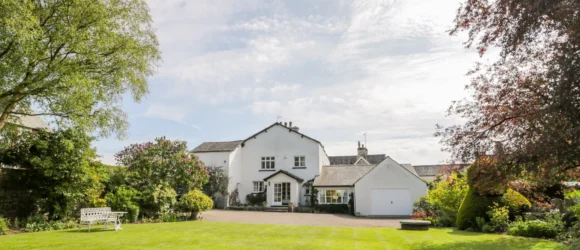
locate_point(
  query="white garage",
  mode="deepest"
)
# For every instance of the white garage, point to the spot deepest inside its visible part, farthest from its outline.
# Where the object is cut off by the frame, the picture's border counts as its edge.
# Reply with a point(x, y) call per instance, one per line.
point(392, 201)
point(386, 189)
point(389, 189)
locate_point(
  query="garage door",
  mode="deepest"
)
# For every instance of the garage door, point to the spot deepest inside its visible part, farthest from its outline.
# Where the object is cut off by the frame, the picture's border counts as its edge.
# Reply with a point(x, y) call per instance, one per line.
point(391, 202)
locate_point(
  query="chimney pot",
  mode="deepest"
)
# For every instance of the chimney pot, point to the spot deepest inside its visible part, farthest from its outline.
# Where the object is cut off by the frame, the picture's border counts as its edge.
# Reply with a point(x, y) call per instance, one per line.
point(285, 124)
point(290, 123)
point(358, 144)
point(362, 151)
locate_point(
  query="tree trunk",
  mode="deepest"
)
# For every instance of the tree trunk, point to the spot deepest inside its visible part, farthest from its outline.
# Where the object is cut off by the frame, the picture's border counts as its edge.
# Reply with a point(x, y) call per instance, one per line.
point(4, 117)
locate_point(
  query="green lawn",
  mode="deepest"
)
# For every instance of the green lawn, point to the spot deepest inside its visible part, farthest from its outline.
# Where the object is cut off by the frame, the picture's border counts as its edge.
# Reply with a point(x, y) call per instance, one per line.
point(216, 235)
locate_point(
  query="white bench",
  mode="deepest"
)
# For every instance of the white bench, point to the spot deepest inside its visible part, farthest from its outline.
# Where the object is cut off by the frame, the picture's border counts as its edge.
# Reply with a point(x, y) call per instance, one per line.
point(96, 215)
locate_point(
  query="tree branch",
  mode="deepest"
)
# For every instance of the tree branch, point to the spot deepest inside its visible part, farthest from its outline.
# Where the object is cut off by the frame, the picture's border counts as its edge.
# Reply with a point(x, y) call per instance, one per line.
point(7, 49)
point(40, 114)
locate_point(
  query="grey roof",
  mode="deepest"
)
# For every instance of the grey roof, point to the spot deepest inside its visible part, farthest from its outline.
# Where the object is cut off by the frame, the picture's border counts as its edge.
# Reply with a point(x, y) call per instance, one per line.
point(341, 175)
point(351, 159)
point(286, 173)
point(221, 146)
point(32, 122)
point(433, 170)
point(410, 168)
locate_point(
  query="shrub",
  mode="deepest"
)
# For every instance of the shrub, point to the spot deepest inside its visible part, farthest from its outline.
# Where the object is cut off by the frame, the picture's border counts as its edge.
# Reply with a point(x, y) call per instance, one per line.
point(256, 199)
point(169, 217)
point(479, 223)
point(332, 208)
point(475, 205)
point(534, 228)
point(418, 215)
point(550, 227)
point(3, 225)
point(125, 199)
point(36, 223)
point(195, 202)
point(515, 202)
point(157, 200)
point(498, 218)
point(446, 197)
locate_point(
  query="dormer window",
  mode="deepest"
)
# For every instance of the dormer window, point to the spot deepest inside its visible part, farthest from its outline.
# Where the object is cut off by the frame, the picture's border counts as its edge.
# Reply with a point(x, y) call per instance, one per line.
point(268, 162)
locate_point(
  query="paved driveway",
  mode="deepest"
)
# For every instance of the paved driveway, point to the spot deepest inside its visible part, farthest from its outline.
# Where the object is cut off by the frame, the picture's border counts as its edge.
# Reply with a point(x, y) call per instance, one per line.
point(297, 219)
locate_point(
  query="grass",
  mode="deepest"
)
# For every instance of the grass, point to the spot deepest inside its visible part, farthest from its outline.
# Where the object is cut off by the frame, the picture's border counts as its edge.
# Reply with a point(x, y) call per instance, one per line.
point(220, 235)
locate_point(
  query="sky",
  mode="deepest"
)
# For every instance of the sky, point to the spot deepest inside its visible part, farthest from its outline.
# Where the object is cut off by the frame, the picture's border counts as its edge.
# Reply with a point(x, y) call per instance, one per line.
point(337, 69)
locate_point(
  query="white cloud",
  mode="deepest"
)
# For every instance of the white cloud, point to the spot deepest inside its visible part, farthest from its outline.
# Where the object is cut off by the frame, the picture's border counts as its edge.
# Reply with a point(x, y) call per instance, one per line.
point(176, 113)
point(337, 69)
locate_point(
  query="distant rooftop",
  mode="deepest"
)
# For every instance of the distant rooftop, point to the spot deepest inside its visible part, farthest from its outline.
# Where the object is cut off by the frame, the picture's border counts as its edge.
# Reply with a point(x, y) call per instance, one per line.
point(222, 146)
point(31, 122)
point(351, 159)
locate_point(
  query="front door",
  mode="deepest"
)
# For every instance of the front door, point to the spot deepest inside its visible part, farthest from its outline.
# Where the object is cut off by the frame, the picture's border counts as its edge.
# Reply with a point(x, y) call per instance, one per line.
point(281, 193)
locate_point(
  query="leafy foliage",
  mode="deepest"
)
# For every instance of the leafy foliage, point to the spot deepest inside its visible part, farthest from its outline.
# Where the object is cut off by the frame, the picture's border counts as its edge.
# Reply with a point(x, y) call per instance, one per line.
point(159, 169)
point(332, 208)
point(162, 161)
point(57, 167)
point(3, 225)
point(498, 218)
point(125, 199)
point(515, 202)
point(75, 60)
point(256, 199)
point(217, 181)
point(549, 228)
point(157, 200)
point(195, 202)
point(524, 106)
point(446, 197)
point(475, 205)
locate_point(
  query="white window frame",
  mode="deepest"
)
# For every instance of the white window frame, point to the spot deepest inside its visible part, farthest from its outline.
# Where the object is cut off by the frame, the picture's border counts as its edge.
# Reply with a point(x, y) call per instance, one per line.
point(268, 163)
point(329, 196)
point(300, 161)
point(258, 186)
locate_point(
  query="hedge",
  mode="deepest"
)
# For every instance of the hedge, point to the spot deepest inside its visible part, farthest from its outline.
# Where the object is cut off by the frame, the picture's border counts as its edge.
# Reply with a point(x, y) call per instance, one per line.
point(333, 208)
point(474, 205)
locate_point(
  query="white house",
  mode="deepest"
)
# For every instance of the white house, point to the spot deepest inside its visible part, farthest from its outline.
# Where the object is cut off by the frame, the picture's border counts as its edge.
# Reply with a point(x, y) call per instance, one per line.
point(285, 163)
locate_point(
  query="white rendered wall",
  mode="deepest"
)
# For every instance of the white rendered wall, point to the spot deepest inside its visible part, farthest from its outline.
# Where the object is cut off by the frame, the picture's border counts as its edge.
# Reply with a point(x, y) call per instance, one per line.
point(388, 174)
point(283, 144)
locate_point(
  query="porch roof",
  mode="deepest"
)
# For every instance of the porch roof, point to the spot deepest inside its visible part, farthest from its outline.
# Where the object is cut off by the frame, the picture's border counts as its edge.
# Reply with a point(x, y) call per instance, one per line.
point(286, 173)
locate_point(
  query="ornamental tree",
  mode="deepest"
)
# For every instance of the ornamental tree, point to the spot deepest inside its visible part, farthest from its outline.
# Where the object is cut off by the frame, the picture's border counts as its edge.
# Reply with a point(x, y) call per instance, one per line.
point(74, 60)
point(154, 164)
point(525, 107)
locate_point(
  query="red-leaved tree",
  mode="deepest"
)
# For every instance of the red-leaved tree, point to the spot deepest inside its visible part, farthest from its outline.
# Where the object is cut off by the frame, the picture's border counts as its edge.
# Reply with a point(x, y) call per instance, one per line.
point(525, 107)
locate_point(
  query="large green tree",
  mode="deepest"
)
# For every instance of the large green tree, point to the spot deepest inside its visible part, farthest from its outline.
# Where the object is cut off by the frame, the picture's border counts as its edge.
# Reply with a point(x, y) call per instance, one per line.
point(54, 170)
point(525, 107)
point(73, 60)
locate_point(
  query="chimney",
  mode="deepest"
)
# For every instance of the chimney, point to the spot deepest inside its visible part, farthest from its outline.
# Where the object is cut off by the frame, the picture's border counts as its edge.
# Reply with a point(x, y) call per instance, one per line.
point(285, 124)
point(295, 128)
point(362, 151)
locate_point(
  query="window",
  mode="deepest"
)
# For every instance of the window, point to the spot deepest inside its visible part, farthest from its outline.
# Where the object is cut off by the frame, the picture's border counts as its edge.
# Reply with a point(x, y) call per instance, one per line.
point(299, 161)
point(268, 162)
point(333, 197)
point(258, 186)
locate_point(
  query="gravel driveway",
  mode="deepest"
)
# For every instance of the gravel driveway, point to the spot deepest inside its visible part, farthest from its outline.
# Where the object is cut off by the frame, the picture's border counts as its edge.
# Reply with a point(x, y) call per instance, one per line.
point(297, 219)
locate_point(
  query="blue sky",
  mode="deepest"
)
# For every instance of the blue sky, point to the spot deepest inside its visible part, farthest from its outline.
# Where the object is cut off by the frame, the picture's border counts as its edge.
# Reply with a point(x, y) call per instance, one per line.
point(336, 68)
